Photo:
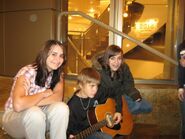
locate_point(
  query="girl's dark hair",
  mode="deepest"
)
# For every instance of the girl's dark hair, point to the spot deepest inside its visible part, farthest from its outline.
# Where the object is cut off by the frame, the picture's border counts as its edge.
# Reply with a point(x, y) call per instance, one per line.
point(111, 51)
point(40, 64)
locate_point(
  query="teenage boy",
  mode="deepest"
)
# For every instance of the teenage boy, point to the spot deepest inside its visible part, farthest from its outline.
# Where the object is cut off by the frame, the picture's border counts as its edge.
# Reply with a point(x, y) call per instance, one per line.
point(181, 86)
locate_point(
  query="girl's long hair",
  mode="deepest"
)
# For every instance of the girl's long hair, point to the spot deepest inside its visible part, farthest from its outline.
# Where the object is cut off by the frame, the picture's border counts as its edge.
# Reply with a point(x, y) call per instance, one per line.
point(40, 64)
point(111, 51)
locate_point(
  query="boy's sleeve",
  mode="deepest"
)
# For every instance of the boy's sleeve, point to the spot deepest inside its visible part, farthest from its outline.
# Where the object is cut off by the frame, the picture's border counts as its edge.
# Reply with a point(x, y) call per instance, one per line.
point(181, 76)
point(71, 125)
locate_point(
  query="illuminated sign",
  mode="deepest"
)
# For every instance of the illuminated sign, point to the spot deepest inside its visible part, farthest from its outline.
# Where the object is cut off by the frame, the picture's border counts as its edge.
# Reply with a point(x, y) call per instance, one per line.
point(147, 26)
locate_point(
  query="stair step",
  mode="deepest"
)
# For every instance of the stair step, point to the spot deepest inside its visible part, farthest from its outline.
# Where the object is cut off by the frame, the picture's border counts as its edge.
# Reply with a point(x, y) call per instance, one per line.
point(145, 131)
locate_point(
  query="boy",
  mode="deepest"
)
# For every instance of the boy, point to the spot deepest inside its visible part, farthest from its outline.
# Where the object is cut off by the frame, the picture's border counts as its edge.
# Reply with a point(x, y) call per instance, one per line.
point(181, 86)
point(82, 100)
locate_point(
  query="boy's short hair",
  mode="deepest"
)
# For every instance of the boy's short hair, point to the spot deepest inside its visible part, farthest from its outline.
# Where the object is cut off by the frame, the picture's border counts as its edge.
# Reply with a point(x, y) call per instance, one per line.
point(89, 75)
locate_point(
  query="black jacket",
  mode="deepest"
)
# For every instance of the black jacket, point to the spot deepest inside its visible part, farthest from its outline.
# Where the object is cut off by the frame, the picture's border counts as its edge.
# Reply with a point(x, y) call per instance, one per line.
point(115, 88)
point(124, 84)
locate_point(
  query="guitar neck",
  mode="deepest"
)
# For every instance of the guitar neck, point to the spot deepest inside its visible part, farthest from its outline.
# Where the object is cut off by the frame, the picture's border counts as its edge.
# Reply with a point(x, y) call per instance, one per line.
point(90, 130)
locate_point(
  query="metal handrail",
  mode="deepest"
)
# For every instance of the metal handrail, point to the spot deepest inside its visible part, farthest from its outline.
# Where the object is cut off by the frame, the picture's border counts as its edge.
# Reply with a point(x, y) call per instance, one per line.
point(152, 50)
point(78, 53)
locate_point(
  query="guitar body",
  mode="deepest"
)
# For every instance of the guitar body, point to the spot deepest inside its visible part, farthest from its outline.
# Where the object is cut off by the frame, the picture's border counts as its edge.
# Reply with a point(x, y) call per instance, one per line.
point(98, 114)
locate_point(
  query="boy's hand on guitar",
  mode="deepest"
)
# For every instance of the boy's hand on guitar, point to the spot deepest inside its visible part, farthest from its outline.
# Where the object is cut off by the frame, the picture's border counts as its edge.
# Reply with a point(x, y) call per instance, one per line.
point(117, 117)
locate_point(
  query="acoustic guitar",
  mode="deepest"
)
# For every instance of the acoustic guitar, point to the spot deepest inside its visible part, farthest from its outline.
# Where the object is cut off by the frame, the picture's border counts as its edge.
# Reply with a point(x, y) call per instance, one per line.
point(101, 117)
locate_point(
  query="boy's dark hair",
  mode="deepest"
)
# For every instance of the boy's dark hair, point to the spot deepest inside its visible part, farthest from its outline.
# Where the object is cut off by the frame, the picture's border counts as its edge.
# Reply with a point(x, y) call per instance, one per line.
point(180, 48)
point(88, 75)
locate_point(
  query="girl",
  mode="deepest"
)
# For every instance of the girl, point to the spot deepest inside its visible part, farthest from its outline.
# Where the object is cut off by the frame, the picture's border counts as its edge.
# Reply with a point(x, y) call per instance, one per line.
point(116, 76)
point(34, 105)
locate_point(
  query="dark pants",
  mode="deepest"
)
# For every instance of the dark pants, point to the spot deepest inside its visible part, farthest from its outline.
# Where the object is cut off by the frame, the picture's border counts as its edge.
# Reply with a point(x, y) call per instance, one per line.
point(182, 106)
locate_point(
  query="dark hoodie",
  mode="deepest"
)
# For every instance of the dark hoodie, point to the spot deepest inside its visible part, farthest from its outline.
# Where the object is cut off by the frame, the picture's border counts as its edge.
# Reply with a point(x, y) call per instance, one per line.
point(122, 84)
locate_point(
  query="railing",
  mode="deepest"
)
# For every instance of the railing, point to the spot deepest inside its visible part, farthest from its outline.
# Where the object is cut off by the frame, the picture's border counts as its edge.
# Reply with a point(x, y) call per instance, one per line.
point(152, 50)
point(78, 53)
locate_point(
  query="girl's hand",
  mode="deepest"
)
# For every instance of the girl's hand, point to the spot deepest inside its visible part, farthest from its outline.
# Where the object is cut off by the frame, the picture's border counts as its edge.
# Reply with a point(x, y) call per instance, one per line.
point(47, 93)
point(117, 117)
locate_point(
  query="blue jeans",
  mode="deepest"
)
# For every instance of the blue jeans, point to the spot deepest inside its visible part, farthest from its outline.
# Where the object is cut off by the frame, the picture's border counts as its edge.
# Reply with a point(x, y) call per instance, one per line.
point(182, 107)
point(138, 107)
point(99, 135)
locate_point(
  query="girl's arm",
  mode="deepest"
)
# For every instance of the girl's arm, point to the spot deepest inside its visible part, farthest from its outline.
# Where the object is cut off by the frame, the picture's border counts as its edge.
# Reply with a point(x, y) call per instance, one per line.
point(57, 94)
point(20, 100)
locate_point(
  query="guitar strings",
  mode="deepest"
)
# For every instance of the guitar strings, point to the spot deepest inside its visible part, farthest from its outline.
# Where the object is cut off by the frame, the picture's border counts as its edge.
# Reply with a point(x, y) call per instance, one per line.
point(85, 108)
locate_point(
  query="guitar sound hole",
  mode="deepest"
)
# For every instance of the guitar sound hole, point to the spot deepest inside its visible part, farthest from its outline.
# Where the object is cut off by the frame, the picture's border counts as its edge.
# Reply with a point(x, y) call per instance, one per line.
point(115, 127)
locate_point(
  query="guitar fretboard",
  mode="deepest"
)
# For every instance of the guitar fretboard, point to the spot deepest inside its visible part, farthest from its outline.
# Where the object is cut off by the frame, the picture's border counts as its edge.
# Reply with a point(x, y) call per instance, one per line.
point(90, 130)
